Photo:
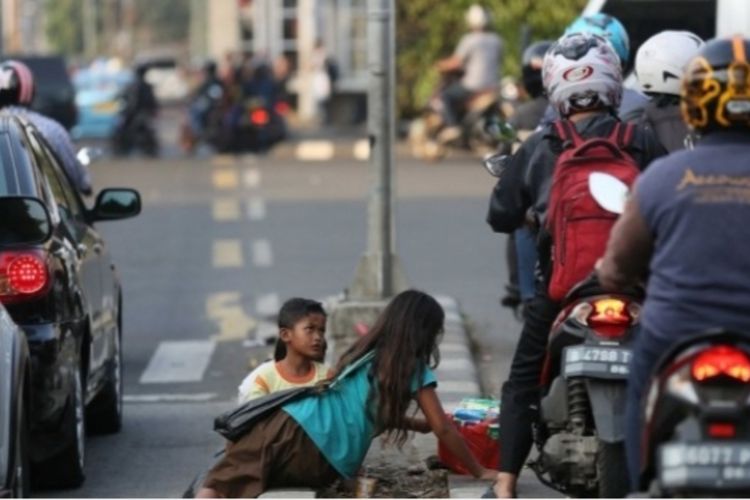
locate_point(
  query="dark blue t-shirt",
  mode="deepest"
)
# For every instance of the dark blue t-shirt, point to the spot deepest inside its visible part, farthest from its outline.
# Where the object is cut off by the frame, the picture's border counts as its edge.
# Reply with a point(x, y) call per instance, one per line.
point(697, 205)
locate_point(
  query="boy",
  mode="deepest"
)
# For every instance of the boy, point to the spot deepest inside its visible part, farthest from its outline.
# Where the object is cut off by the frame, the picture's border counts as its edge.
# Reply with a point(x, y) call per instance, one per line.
point(300, 349)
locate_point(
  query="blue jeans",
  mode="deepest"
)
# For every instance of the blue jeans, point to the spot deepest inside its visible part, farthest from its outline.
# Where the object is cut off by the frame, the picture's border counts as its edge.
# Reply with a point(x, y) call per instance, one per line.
point(647, 351)
point(526, 256)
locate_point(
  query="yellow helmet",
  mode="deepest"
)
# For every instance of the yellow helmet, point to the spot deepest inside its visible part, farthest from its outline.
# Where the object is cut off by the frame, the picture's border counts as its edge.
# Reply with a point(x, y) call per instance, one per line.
point(716, 86)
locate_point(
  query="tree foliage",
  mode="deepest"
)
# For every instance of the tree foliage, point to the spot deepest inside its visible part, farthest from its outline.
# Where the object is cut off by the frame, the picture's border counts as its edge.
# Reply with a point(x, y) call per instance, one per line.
point(427, 31)
point(65, 36)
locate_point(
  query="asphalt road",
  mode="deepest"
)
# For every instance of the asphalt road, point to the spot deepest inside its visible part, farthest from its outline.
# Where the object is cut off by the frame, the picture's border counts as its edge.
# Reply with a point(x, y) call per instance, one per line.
point(221, 242)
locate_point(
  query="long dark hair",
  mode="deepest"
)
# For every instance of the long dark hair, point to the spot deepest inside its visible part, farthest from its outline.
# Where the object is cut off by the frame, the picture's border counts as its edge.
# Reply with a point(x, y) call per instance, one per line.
point(404, 338)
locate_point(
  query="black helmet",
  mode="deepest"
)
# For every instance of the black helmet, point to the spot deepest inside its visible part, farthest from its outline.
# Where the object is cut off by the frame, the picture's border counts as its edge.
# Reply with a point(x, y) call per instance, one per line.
point(531, 67)
point(209, 67)
point(716, 86)
point(16, 84)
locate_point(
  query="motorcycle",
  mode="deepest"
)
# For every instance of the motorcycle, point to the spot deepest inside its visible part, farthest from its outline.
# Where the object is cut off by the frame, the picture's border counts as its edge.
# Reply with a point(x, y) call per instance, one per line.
point(697, 419)
point(580, 430)
point(258, 126)
point(425, 133)
point(135, 132)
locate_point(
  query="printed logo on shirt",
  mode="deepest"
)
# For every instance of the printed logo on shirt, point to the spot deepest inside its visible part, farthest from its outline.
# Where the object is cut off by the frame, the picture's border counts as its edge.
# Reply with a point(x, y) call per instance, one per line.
point(716, 188)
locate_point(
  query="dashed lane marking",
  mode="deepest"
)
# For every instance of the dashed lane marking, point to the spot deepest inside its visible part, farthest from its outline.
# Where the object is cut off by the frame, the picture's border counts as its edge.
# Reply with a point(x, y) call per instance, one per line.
point(225, 179)
point(267, 305)
point(178, 361)
point(256, 209)
point(252, 178)
point(361, 150)
point(227, 253)
point(225, 308)
point(315, 150)
point(262, 253)
point(226, 209)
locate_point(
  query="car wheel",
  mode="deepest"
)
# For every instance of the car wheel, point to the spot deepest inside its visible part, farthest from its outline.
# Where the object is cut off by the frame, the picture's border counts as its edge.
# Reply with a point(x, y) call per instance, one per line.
point(20, 473)
point(65, 470)
point(104, 414)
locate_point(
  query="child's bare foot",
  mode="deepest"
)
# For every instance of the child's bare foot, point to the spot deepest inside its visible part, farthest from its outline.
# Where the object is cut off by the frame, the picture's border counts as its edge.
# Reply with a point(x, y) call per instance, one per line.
point(505, 485)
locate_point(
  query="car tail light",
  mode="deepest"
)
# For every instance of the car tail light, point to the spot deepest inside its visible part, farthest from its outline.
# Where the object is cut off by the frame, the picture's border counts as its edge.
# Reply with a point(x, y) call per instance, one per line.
point(281, 108)
point(610, 318)
point(259, 116)
point(722, 430)
point(721, 360)
point(23, 275)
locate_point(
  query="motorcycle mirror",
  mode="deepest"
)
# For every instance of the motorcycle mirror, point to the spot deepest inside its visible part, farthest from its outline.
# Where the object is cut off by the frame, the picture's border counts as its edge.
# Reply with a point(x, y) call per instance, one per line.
point(500, 130)
point(86, 156)
point(495, 164)
point(608, 191)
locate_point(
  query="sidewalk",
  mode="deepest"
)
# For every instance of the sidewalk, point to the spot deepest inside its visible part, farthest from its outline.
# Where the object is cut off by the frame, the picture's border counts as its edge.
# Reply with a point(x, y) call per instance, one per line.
point(457, 379)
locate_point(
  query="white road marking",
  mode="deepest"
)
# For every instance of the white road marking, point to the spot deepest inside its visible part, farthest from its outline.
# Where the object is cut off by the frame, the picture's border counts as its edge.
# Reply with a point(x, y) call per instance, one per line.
point(227, 253)
point(361, 150)
point(262, 253)
point(252, 178)
point(315, 150)
point(178, 361)
point(225, 178)
point(226, 209)
point(267, 305)
point(169, 398)
point(256, 209)
point(226, 310)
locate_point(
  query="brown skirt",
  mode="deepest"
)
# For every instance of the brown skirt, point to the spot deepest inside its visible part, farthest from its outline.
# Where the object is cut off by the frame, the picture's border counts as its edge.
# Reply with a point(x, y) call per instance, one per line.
point(275, 453)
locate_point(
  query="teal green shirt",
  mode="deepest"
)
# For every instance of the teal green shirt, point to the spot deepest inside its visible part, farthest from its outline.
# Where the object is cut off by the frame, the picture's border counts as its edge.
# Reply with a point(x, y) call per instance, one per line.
point(336, 420)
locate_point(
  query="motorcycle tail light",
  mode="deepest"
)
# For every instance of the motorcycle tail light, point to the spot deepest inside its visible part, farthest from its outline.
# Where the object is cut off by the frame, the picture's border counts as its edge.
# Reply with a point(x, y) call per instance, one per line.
point(722, 430)
point(259, 117)
point(23, 275)
point(719, 361)
point(610, 318)
point(281, 108)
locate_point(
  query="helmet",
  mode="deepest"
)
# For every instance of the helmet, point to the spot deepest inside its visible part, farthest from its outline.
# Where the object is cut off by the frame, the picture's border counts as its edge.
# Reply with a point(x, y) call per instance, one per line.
point(476, 17)
point(16, 84)
point(608, 27)
point(531, 67)
point(661, 60)
point(582, 72)
point(716, 86)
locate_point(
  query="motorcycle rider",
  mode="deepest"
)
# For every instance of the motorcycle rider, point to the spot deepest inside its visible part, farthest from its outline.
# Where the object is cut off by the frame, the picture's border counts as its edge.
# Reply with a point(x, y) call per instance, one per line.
point(17, 89)
point(659, 65)
point(590, 104)
point(609, 27)
point(140, 106)
point(521, 249)
point(696, 282)
point(479, 54)
point(205, 99)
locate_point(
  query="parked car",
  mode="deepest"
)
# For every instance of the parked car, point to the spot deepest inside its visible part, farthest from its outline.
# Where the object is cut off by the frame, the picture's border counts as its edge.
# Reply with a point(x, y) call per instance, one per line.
point(54, 95)
point(15, 391)
point(65, 295)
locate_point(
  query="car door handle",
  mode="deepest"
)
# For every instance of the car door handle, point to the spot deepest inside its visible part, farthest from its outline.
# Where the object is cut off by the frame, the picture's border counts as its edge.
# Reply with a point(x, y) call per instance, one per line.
point(97, 248)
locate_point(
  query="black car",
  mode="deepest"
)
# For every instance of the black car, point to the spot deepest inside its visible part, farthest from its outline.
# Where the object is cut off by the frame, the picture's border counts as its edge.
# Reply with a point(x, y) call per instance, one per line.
point(65, 294)
point(54, 95)
point(15, 380)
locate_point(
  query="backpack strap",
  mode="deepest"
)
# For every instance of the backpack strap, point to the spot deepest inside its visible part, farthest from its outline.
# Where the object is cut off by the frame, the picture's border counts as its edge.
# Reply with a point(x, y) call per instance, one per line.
point(622, 134)
point(568, 133)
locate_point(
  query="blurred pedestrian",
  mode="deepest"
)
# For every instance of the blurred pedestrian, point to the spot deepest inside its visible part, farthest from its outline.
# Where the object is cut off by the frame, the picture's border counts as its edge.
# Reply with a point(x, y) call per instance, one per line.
point(322, 82)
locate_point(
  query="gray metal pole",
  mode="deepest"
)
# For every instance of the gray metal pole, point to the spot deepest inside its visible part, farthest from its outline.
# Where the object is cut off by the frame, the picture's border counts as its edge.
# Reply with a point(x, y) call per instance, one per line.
point(379, 274)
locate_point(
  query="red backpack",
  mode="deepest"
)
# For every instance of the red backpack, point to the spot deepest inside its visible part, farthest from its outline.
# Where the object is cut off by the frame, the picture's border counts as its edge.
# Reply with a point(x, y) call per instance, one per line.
point(579, 227)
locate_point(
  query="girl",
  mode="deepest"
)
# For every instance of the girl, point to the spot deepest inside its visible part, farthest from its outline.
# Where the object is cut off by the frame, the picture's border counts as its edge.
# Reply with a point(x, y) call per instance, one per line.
point(312, 441)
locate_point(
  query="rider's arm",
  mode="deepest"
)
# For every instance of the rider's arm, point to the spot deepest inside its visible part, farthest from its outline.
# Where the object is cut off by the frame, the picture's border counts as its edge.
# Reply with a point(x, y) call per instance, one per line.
point(628, 251)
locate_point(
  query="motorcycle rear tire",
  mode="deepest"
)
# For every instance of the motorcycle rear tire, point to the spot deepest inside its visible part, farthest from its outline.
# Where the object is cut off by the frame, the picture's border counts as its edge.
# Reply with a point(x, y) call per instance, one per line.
point(612, 470)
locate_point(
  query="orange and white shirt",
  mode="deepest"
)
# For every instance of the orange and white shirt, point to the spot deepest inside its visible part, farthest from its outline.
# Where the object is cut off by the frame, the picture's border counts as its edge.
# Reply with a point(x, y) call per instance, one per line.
point(271, 377)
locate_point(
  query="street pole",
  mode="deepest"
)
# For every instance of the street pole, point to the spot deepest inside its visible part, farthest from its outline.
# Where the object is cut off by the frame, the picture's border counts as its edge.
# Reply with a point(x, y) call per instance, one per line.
point(379, 274)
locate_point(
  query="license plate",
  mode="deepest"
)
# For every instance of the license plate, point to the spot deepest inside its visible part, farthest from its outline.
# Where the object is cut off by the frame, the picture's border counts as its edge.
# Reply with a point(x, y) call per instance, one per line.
point(596, 361)
point(704, 465)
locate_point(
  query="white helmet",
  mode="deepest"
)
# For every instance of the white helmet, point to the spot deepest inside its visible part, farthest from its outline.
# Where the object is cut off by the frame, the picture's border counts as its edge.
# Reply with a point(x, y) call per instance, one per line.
point(476, 17)
point(582, 71)
point(660, 61)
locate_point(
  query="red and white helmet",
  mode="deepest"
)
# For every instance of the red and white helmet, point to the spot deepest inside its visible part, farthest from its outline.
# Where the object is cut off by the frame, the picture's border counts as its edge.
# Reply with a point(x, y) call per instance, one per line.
point(661, 60)
point(581, 71)
point(16, 84)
